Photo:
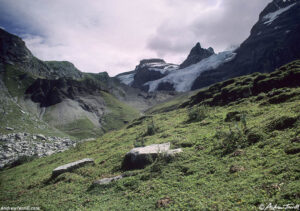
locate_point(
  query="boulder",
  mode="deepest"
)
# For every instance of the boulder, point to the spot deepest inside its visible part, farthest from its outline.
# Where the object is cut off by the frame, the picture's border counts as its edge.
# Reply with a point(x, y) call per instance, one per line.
point(41, 136)
point(106, 181)
point(139, 157)
point(71, 166)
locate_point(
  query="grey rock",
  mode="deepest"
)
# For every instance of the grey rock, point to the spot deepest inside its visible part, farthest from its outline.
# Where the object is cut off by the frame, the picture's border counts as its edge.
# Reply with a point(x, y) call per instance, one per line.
point(71, 166)
point(106, 181)
point(41, 136)
point(15, 145)
point(9, 128)
point(141, 156)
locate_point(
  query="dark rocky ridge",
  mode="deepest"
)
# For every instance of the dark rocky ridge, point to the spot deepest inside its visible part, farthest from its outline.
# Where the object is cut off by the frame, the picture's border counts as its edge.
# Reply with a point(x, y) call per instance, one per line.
point(196, 55)
point(50, 92)
point(268, 47)
point(150, 70)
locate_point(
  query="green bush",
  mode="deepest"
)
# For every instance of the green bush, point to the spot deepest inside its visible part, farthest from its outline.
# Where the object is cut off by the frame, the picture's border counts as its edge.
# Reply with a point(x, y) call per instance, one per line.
point(197, 113)
point(151, 128)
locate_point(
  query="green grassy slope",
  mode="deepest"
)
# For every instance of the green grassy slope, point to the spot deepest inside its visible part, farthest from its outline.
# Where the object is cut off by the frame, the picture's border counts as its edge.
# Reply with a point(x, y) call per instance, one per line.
point(12, 114)
point(17, 81)
point(235, 157)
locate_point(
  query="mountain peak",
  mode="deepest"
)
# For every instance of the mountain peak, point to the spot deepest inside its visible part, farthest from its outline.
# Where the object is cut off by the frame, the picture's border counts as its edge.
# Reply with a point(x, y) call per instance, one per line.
point(152, 60)
point(196, 55)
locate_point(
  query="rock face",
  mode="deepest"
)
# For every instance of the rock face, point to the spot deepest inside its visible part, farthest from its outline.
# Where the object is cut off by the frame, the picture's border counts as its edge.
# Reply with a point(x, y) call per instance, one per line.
point(49, 92)
point(10, 54)
point(141, 156)
point(71, 166)
point(273, 42)
point(149, 70)
point(196, 55)
point(16, 145)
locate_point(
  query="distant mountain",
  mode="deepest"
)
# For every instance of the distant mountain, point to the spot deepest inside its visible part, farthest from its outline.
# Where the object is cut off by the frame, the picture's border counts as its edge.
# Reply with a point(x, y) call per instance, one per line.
point(273, 42)
point(79, 104)
point(147, 70)
point(181, 80)
point(196, 55)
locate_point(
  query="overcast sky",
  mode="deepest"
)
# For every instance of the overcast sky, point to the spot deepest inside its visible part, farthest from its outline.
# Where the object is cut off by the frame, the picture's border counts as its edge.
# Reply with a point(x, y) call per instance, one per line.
point(113, 35)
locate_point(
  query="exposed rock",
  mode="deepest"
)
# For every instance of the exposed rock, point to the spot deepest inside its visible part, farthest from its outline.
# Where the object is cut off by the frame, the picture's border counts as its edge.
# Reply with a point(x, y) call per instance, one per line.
point(106, 181)
point(141, 156)
point(149, 70)
point(164, 202)
point(41, 136)
point(71, 166)
point(236, 168)
point(238, 152)
point(17, 145)
point(9, 128)
point(196, 55)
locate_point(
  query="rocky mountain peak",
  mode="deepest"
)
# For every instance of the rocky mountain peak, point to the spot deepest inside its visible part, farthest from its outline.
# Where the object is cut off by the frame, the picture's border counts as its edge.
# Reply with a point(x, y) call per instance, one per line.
point(196, 55)
point(149, 61)
point(12, 48)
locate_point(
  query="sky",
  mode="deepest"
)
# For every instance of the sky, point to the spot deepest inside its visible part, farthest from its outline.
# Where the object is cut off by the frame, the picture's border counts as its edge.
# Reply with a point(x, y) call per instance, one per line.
point(114, 35)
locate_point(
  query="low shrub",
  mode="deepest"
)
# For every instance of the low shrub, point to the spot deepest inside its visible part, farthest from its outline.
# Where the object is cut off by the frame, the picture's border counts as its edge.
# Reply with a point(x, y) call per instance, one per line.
point(197, 113)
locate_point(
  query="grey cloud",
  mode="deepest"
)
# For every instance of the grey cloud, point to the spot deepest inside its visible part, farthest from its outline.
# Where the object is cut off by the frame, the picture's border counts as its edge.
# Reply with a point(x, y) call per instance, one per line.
point(220, 24)
point(113, 35)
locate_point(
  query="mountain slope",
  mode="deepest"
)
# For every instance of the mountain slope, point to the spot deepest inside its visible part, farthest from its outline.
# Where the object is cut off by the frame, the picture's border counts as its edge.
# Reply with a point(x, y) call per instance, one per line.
point(240, 156)
point(57, 93)
point(273, 42)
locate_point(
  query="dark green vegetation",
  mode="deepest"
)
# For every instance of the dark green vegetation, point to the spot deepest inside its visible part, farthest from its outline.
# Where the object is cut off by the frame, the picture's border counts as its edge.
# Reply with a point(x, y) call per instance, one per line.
point(277, 85)
point(237, 156)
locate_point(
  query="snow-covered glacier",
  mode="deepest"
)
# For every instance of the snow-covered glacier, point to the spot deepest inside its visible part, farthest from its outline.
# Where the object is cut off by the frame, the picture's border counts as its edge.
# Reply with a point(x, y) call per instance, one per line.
point(182, 79)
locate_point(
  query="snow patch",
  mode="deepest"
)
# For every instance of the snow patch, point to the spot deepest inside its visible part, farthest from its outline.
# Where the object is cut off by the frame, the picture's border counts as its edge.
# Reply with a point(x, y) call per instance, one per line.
point(269, 18)
point(127, 79)
point(182, 79)
point(161, 67)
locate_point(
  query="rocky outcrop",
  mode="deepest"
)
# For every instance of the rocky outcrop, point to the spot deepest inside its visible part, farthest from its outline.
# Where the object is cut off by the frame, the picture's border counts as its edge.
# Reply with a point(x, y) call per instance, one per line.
point(196, 55)
point(139, 157)
point(17, 145)
point(71, 166)
point(273, 42)
point(50, 92)
point(12, 48)
point(149, 70)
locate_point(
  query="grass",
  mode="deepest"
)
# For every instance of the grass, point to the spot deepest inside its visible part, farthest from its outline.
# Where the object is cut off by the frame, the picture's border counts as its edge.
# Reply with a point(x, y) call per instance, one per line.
point(119, 113)
point(81, 128)
point(199, 178)
point(16, 81)
point(265, 169)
